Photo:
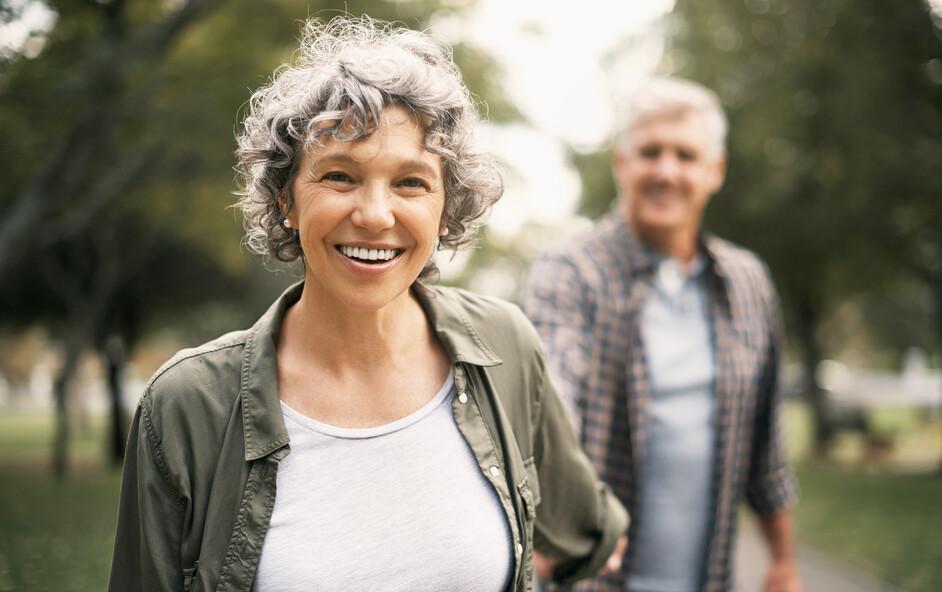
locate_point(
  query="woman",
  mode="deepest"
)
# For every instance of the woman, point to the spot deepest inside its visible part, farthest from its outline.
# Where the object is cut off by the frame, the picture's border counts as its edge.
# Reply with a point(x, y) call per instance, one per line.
point(369, 432)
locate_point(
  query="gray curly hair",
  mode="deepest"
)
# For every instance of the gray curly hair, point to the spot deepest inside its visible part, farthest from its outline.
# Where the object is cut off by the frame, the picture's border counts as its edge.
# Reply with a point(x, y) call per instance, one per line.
point(347, 71)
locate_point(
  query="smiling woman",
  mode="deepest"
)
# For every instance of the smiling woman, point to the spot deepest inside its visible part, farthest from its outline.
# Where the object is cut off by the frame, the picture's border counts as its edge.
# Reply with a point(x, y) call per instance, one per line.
point(370, 432)
point(353, 200)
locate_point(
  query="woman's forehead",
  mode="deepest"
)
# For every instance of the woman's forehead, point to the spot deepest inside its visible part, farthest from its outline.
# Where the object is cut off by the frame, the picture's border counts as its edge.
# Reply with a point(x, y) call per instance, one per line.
point(398, 133)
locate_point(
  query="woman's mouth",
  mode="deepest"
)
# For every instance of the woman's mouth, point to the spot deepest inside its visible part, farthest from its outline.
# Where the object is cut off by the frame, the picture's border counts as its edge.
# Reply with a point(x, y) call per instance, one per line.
point(364, 255)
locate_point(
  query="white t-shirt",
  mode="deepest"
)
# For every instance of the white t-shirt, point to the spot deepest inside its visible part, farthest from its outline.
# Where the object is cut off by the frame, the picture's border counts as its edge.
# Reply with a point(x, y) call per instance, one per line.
point(402, 506)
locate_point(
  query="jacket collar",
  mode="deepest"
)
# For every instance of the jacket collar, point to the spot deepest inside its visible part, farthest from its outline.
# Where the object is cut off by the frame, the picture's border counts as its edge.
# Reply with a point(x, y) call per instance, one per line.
point(455, 331)
point(263, 422)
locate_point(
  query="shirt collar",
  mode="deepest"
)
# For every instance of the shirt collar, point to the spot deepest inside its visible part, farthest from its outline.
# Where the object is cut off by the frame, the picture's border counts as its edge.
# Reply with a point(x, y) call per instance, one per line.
point(638, 258)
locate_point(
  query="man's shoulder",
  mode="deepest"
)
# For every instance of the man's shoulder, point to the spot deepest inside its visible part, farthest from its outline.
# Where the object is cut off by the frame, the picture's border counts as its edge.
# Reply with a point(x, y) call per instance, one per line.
point(587, 254)
point(735, 257)
point(739, 265)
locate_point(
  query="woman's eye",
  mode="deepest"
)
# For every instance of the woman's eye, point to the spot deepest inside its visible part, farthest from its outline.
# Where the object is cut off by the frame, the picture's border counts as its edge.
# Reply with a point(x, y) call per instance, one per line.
point(414, 183)
point(337, 177)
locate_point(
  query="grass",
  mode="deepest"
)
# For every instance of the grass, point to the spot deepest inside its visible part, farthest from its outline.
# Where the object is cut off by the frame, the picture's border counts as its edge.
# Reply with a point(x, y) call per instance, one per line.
point(883, 513)
point(58, 536)
point(887, 523)
point(54, 535)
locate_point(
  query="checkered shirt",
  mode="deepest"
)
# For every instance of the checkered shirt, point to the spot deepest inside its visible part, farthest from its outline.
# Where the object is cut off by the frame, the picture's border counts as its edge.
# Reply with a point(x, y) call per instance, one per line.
point(585, 300)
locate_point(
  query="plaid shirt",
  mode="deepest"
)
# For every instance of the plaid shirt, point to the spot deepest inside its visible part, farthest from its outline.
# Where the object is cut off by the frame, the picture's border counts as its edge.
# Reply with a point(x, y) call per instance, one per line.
point(586, 299)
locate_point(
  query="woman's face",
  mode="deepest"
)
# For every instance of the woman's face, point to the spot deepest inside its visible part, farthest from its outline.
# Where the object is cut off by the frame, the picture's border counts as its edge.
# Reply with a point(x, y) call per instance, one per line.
point(368, 213)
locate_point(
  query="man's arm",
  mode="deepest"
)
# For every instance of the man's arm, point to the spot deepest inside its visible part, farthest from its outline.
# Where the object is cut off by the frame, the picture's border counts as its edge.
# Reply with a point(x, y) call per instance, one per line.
point(772, 488)
point(783, 574)
point(553, 298)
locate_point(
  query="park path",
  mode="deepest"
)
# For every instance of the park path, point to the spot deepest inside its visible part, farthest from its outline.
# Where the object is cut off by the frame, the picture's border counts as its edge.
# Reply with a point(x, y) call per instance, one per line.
point(819, 572)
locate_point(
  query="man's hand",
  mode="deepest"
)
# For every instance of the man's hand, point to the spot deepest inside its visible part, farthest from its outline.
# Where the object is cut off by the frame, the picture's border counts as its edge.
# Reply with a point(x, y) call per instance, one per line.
point(783, 576)
point(613, 563)
point(544, 565)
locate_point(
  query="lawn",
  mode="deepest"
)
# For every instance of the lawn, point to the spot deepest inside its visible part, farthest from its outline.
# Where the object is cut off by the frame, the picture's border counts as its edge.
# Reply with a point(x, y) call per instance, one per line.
point(883, 515)
point(890, 524)
point(54, 536)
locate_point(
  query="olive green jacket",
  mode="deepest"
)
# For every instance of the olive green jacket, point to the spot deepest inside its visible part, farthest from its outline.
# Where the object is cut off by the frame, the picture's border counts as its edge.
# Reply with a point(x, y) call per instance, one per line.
point(208, 434)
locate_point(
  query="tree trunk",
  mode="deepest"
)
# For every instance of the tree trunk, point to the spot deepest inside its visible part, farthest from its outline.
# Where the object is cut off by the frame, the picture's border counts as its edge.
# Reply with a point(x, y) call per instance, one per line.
point(74, 346)
point(114, 356)
point(823, 430)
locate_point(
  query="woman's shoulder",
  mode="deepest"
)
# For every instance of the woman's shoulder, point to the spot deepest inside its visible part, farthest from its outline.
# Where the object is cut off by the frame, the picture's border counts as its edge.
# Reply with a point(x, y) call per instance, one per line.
point(206, 377)
point(497, 322)
point(479, 307)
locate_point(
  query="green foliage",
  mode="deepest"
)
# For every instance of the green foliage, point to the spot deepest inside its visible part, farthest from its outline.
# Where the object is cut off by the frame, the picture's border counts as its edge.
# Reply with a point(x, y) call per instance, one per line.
point(835, 109)
point(598, 185)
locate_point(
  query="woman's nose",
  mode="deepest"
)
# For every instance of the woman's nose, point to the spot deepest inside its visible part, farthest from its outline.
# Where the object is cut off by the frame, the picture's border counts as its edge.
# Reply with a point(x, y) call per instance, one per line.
point(374, 210)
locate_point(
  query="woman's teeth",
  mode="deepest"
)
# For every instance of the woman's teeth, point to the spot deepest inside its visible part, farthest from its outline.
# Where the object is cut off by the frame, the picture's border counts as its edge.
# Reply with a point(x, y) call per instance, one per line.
point(362, 254)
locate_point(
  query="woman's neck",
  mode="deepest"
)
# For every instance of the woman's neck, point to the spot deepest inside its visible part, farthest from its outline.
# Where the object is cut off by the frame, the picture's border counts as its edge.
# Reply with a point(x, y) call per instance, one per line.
point(345, 338)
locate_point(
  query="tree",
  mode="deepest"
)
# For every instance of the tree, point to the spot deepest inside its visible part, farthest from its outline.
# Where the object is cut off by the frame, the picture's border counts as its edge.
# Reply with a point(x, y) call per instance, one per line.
point(836, 112)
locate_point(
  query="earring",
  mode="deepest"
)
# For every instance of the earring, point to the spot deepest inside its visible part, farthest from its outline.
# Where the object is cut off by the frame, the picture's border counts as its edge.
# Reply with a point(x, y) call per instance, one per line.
point(444, 232)
point(286, 223)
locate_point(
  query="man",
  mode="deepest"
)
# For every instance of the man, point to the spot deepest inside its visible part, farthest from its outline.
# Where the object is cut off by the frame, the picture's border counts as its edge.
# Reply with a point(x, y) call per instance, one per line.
point(664, 342)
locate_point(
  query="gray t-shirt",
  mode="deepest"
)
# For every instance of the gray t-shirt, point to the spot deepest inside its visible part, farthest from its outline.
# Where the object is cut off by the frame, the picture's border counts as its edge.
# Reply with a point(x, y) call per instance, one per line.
point(675, 498)
point(402, 506)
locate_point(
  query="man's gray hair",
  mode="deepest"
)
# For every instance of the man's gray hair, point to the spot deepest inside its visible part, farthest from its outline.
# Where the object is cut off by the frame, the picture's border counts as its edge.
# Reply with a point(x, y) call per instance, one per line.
point(665, 96)
point(347, 72)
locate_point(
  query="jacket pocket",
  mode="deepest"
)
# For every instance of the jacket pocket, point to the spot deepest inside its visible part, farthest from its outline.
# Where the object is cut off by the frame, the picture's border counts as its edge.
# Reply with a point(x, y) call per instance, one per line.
point(533, 479)
point(189, 577)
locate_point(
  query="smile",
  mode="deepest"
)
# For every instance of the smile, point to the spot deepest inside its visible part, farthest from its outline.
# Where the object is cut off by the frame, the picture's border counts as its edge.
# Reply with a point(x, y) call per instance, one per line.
point(369, 255)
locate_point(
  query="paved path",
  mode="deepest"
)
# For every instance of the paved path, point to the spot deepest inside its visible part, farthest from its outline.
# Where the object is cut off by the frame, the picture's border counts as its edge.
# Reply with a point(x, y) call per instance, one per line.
point(819, 572)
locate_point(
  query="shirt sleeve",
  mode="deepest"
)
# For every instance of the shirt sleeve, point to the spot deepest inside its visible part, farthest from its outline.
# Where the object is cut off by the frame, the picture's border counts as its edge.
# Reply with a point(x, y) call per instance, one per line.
point(771, 485)
point(150, 517)
point(556, 302)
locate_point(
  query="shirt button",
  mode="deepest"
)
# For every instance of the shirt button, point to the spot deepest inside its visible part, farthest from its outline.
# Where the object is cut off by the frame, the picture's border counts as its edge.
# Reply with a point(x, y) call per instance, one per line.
point(494, 471)
point(462, 397)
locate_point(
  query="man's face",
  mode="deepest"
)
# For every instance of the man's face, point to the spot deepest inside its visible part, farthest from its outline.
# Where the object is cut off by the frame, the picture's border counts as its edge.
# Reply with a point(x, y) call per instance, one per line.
point(666, 171)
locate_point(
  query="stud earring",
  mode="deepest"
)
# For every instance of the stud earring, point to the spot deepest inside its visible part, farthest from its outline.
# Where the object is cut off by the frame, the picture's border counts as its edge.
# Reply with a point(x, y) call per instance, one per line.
point(286, 223)
point(444, 232)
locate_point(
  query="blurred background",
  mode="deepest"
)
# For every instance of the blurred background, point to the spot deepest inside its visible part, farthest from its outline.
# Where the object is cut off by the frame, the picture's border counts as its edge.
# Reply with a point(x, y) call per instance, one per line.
point(118, 245)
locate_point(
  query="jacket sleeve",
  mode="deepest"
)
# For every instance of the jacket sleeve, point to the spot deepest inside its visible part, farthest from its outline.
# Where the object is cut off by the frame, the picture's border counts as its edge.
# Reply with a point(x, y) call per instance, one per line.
point(579, 520)
point(150, 517)
point(771, 485)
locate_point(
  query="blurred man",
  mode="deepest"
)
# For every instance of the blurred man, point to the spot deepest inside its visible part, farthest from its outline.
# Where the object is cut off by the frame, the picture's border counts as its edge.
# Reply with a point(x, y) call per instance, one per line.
point(664, 342)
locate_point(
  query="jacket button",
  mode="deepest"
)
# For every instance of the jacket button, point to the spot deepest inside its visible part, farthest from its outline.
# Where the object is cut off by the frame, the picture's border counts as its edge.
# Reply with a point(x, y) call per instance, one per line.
point(494, 471)
point(462, 398)
point(519, 549)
